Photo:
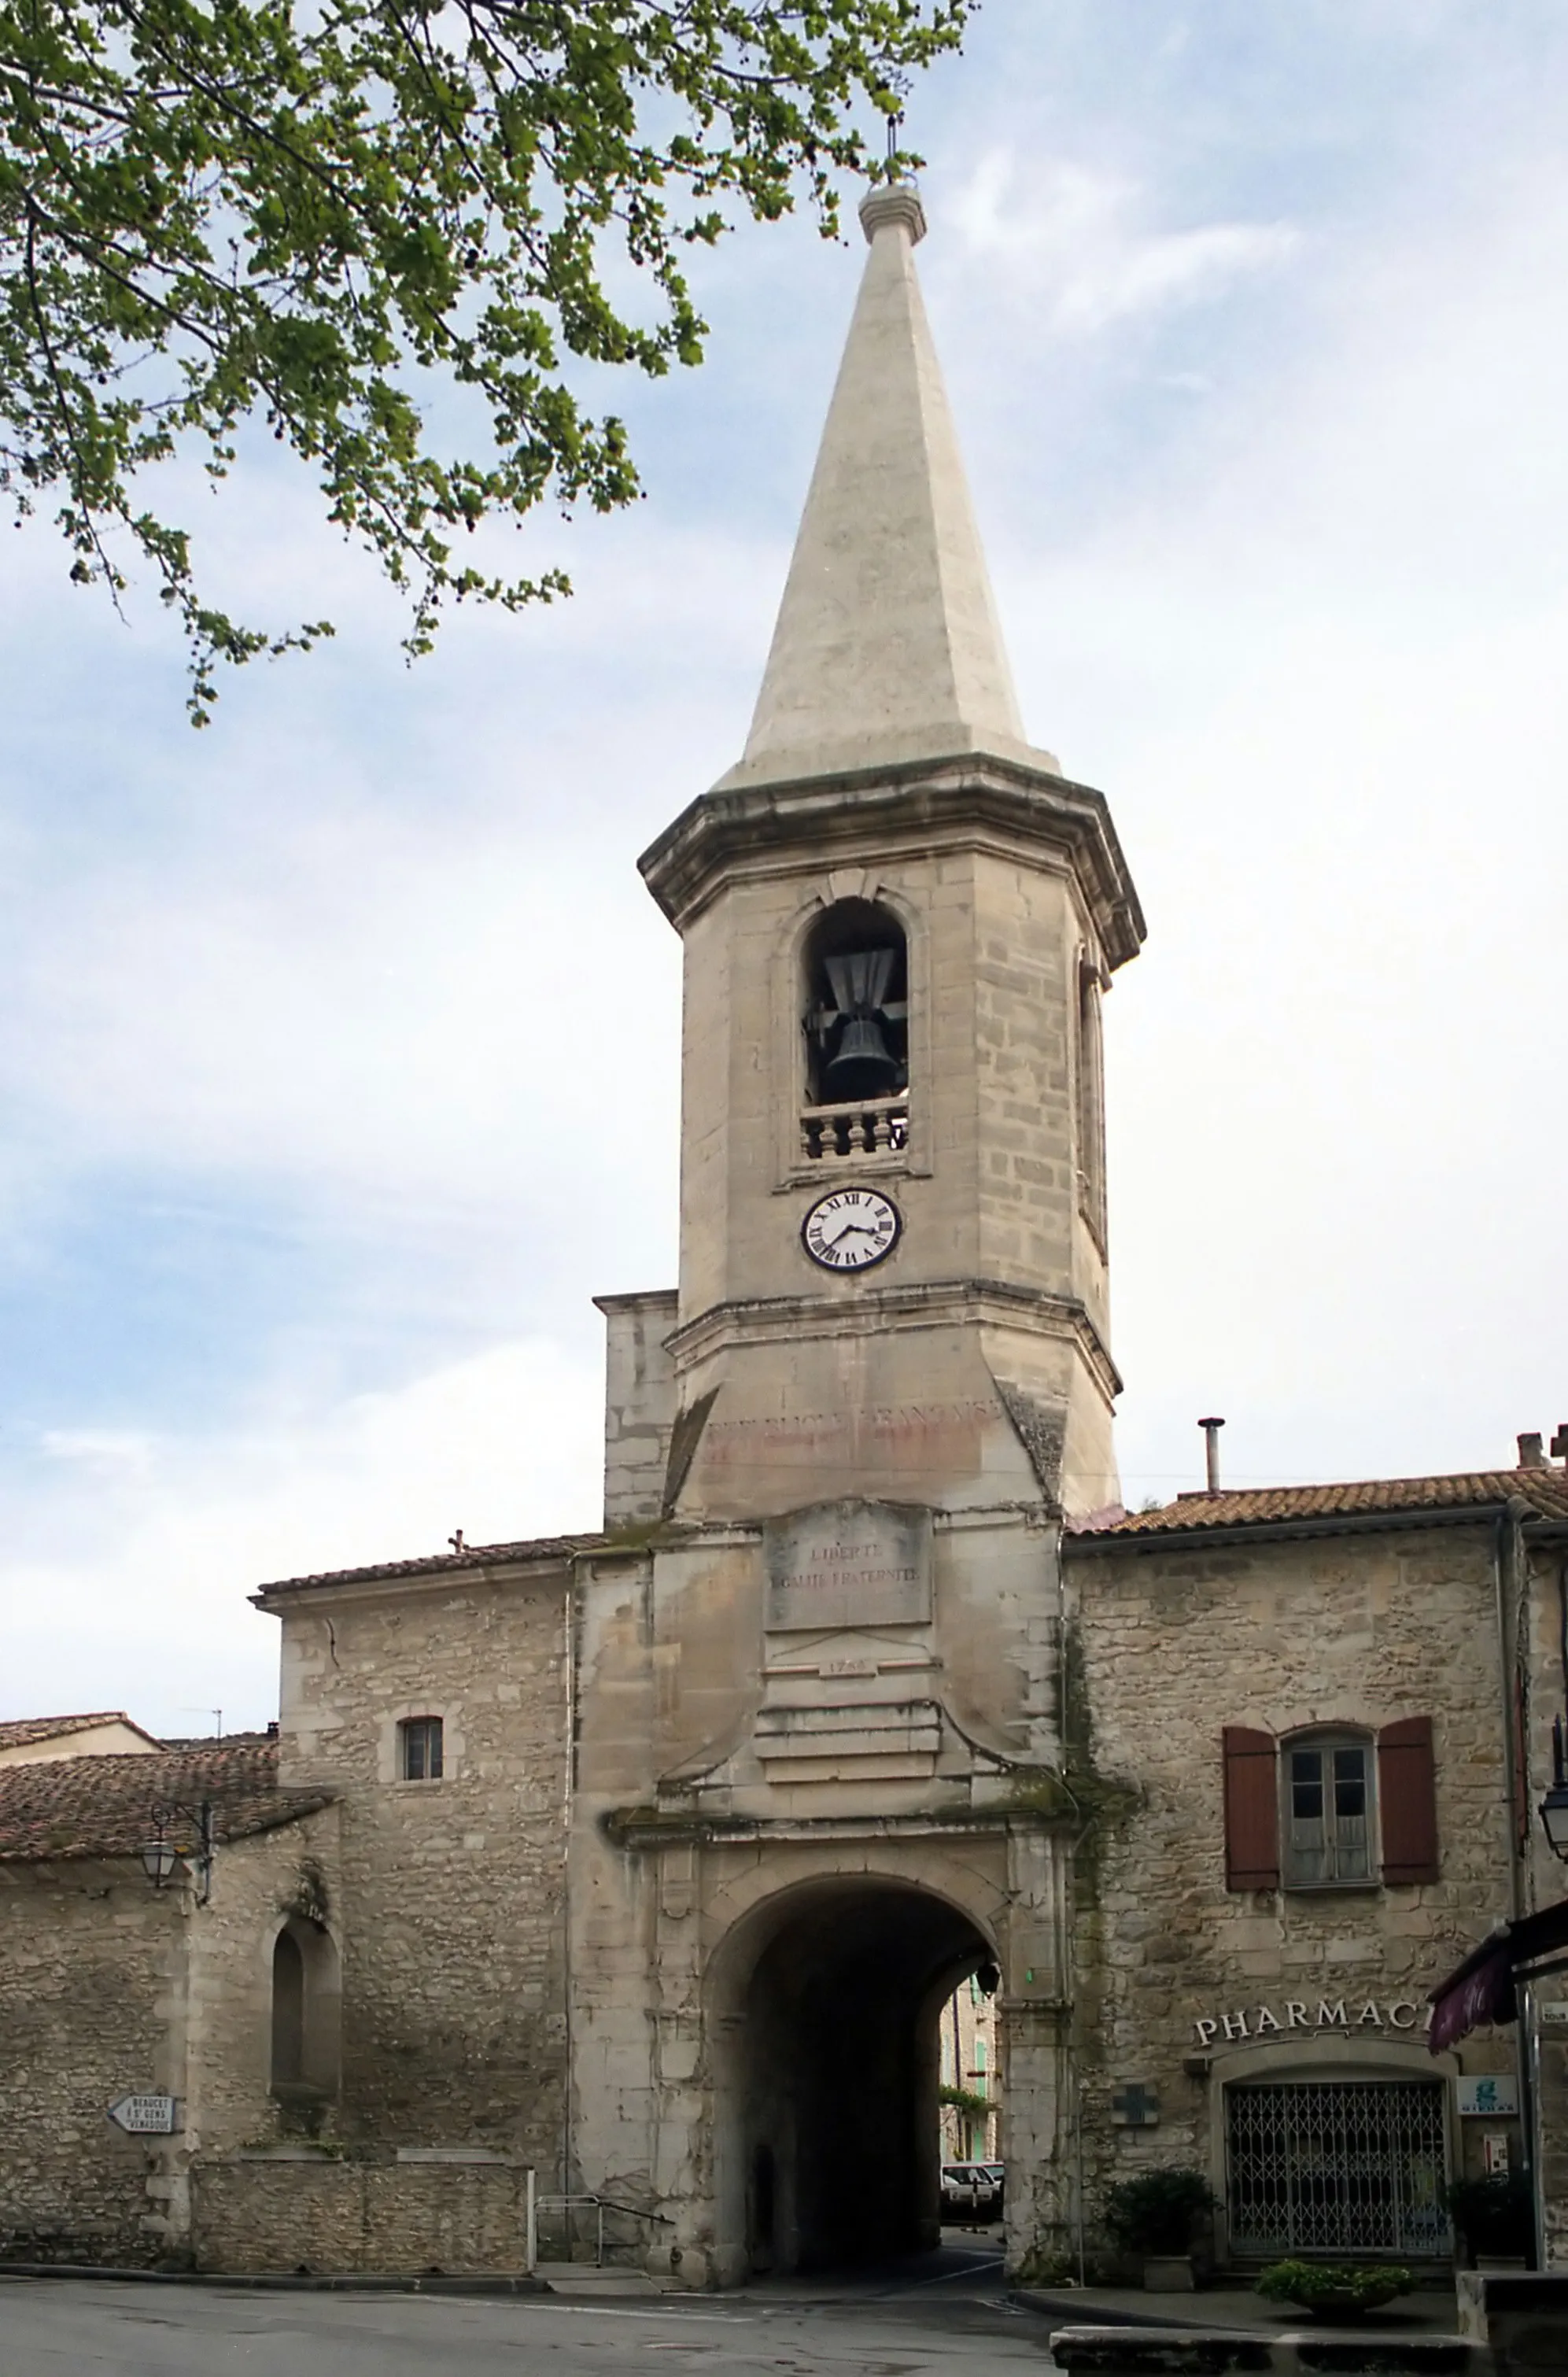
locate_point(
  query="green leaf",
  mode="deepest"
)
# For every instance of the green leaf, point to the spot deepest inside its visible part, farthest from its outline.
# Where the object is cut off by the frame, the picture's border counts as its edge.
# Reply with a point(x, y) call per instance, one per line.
point(232, 212)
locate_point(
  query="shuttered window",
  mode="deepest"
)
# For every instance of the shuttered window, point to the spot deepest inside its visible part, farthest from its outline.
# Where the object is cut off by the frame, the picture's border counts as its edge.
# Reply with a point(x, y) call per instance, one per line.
point(1324, 1801)
point(1327, 1785)
point(1251, 1811)
point(1408, 1787)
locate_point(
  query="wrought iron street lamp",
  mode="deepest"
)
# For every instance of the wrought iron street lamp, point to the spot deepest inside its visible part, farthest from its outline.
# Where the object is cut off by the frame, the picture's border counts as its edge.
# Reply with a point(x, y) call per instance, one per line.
point(171, 1846)
point(1554, 1806)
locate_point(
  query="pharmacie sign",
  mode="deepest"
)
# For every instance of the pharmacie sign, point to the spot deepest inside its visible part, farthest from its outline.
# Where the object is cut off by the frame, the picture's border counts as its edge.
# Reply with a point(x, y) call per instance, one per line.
point(1342, 2014)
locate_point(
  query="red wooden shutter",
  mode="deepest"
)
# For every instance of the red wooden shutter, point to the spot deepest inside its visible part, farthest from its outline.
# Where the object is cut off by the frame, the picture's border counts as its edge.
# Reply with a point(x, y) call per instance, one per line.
point(1251, 1811)
point(1407, 1789)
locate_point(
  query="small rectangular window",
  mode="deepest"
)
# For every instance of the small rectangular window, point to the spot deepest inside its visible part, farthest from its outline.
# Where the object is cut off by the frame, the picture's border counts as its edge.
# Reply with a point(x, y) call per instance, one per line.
point(1327, 1804)
point(419, 1741)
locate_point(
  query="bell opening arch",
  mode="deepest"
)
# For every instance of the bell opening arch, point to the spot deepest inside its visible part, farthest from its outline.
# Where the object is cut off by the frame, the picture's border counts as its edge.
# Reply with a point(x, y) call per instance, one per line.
point(824, 2001)
point(855, 967)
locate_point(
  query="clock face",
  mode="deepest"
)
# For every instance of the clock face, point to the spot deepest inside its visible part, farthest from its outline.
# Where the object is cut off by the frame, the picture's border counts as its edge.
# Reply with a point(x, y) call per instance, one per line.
point(851, 1229)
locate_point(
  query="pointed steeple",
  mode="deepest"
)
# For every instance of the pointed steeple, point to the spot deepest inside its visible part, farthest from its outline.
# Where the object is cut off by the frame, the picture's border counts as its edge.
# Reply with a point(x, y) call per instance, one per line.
point(887, 646)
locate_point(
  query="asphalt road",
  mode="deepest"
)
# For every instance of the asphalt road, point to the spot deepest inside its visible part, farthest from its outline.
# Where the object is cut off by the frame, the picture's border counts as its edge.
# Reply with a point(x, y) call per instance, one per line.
point(890, 2326)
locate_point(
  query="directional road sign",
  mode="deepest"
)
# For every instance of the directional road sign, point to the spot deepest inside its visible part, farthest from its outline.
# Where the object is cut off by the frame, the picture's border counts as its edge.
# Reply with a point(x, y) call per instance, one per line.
point(147, 2116)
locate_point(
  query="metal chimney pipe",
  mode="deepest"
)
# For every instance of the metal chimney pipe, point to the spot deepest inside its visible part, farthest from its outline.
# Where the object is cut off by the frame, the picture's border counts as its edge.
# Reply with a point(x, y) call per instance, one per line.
point(1210, 1428)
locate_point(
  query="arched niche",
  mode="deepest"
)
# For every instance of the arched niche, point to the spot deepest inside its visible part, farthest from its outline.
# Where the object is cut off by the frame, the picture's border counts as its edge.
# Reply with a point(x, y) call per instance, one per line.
point(306, 2001)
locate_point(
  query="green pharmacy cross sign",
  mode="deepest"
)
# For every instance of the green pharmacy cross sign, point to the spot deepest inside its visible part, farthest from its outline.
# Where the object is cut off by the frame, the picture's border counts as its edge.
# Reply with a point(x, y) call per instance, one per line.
point(1135, 2107)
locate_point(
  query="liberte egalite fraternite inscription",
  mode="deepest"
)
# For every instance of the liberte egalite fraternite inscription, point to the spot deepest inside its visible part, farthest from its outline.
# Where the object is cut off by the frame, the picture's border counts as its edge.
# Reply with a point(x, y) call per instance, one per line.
point(849, 1564)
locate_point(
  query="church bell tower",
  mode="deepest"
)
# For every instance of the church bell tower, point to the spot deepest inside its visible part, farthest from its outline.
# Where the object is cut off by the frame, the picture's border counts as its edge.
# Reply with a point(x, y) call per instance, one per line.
point(821, 1731)
point(899, 919)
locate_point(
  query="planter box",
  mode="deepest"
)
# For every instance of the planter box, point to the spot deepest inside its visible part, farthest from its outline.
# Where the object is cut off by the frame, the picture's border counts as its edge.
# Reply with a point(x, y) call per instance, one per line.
point(1523, 2319)
point(1168, 2274)
point(1221, 2352)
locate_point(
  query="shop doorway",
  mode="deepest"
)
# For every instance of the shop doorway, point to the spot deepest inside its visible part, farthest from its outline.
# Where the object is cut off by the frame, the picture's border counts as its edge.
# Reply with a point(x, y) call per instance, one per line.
point(830, 2151)
point(1336, 2167)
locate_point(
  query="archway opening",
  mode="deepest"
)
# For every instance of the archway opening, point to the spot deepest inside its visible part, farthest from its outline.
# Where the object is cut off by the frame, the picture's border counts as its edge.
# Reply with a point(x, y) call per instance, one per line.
point(834, 2132)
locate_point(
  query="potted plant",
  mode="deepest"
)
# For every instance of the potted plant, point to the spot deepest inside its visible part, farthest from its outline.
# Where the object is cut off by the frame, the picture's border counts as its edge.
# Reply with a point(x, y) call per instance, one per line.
point(1154, 2216)
point(1495, 2217)
point(1337, 2290)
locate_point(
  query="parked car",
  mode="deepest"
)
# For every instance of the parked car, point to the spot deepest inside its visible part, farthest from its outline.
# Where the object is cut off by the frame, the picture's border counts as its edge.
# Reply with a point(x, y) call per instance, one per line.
point(970, 2190)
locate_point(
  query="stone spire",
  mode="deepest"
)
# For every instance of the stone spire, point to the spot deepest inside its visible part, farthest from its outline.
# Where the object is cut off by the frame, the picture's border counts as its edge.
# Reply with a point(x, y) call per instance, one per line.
point(887, 646)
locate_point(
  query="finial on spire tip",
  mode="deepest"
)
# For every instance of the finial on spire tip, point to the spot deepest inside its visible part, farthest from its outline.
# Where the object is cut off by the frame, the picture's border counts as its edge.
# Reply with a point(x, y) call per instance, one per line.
point(894, 202)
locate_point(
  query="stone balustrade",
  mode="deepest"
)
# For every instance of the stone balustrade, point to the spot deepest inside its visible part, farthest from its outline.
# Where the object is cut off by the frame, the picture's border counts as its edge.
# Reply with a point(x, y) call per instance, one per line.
point(868, 1126)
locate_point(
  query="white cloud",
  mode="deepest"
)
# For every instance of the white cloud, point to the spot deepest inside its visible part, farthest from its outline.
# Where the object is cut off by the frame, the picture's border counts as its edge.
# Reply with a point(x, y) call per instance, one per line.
point(1284, 575)
point(129, 1588)
point(1079, 242)
point(1318, 670)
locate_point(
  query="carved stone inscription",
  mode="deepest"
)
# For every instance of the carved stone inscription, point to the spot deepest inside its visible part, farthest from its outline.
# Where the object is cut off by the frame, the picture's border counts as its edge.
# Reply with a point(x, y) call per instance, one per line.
point(849, 1564)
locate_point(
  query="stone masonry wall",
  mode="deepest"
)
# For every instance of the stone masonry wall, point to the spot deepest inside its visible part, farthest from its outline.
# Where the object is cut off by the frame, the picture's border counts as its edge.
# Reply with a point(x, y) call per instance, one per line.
point(1177, 1643)
point(450, 1892)
point(108, 1988)
point(389, 2219)
point(640, 1403)
point(88, 1957)
point(256, 1884)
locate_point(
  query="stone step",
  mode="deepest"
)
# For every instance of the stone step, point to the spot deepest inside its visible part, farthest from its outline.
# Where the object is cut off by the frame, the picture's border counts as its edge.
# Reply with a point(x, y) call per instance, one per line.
point(585, 2278)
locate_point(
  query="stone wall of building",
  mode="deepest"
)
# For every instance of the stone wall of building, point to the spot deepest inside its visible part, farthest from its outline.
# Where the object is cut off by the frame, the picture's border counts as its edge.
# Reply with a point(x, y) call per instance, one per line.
point(91, 1961)
point(966, 2046)
point(109, 1988)
point(1175, 1642)
point(640, 1404)
point(256, 1885)
point(450, 1894)
point(300, 2212)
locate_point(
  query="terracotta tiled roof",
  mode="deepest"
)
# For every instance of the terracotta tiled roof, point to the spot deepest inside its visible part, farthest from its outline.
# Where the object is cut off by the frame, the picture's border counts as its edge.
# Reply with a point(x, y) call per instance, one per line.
point(541, 1548)
point(21, 1732)
point(1545, 1489)
point(235, 1741)
point(102, 1807)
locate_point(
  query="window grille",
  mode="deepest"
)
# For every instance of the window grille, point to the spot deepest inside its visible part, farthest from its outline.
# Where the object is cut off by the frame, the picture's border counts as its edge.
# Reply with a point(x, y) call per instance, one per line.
point(1336, 2167)
point(419, 1742)
point(1328, 1791)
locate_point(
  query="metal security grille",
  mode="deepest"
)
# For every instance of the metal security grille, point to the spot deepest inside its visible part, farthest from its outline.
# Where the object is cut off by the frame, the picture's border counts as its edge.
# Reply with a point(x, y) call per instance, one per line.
point(1336, 2167)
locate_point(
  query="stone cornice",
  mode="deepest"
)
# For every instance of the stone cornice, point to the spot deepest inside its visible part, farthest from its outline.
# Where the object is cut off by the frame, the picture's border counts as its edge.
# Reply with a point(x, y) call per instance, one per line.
point(923, 1303)
point(375, 1585)
point(656, 1828)
point(976, 797)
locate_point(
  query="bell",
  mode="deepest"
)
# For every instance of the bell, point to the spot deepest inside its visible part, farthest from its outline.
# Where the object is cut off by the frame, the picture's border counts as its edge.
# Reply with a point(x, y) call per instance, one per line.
point(862, 1068)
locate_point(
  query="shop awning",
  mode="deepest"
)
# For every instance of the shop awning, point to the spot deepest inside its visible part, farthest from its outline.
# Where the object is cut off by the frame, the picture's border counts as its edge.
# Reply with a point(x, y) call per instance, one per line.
point(1485, 1986)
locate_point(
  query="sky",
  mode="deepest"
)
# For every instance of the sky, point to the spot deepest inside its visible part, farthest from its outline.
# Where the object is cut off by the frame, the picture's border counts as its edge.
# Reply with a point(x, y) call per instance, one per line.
point(339, 1044)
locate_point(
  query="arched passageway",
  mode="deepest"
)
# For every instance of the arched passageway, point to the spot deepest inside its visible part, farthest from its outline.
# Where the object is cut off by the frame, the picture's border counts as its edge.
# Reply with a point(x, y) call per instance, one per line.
point(829, 2135)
